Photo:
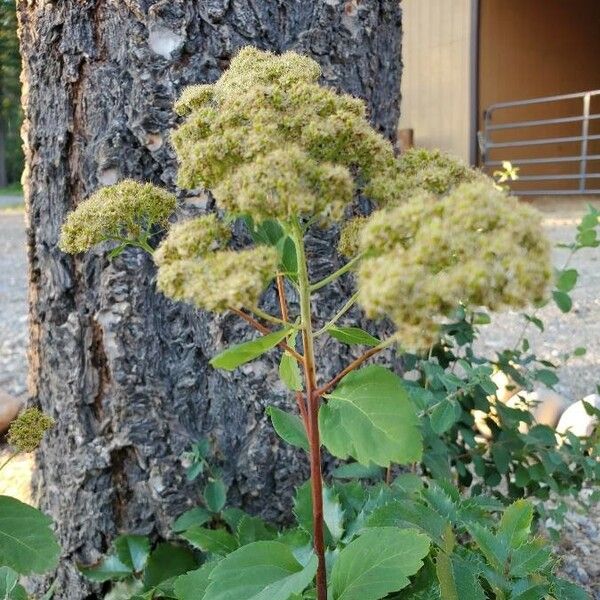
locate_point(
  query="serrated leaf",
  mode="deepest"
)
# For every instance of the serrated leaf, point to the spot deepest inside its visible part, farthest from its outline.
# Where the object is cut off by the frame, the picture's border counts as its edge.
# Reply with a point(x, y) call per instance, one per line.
point(495, 549)
point(457, 581)
point(501, 457)
point(237, 355)
point(289, 372)
point(133, 550)
point(260, 571)
point(215, 495)
point(547, 377)
point(443, 415)
point(289, 427)
point(567, 280)
point(515, 523)
point(167, 561)
point(193, 584)
point(288, 258)
point(216, 541)
point(565, 590)
point(27, 543)
point(195, 516)
point(562, 300)
point(377, 563)
point(409, 513)
point(529, 558)
point(369, 416)
point(353, 335)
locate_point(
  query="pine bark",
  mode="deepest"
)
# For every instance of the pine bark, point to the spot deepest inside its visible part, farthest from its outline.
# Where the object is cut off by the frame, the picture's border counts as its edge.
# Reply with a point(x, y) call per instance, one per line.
point(123, 370)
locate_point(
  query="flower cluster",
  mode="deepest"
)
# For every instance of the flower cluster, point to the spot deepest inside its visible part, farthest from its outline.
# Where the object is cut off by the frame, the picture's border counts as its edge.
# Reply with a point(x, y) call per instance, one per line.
point(124, 212)
point(420, 170)
point(194, 266)
point(193, 238)
point(475, 246)
point(270, 142)
point(28, 429)
point(221, 280)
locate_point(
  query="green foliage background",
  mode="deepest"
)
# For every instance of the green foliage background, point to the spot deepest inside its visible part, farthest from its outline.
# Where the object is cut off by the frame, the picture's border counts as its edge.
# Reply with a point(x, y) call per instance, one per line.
point(10, 90)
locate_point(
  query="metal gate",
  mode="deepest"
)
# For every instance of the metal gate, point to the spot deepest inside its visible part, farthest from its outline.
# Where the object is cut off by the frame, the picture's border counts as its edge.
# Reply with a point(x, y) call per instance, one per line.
point(533, 146)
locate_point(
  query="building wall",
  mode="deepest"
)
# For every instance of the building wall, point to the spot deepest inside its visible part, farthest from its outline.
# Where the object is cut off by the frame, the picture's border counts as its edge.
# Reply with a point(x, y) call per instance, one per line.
point(437, 75)
point(536, 48)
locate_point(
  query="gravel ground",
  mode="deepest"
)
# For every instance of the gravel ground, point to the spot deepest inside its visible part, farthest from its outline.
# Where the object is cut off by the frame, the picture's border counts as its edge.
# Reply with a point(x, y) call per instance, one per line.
point(13, 304)
point(563, 332)
point(579, 547)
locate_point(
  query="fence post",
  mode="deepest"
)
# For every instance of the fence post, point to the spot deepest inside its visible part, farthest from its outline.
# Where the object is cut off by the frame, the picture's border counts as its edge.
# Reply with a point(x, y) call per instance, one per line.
point(585, 128)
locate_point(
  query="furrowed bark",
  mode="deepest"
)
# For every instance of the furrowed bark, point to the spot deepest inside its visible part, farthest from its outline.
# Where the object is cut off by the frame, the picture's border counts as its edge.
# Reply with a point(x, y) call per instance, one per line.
point(123, 370)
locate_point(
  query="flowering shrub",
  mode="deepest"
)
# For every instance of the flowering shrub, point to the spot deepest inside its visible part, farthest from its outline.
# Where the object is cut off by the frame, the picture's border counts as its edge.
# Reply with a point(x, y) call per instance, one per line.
point(282, 153)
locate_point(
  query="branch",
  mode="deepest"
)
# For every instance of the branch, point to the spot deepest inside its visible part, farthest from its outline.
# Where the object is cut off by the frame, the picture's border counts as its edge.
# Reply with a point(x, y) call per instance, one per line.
point(353, 365)
point(347, 267)
point(282, 299)
point(339, 314)
point(265, 330)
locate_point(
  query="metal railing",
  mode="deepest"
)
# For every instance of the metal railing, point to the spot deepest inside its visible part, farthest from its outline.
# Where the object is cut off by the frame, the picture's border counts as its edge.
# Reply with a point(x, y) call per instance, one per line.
point(583, 138)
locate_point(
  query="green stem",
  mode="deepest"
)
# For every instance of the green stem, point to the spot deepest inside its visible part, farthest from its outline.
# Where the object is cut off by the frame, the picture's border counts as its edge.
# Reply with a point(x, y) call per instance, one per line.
point(313, 399)
point(347, 267)
point(338, 315)
point(267, 317)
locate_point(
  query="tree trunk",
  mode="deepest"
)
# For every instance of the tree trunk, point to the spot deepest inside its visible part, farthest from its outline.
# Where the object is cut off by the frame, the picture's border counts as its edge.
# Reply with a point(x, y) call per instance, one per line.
point(123, 370)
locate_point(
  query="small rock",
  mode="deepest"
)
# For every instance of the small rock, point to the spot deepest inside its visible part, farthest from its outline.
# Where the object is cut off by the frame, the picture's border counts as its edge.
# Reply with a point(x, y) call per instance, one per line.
point(9, 409)
point(576, 420)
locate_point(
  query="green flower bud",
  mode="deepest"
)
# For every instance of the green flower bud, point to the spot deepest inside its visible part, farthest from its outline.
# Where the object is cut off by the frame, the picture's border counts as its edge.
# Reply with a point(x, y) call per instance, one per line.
point(127, 210)
point(27, 430)
point(222, 280)
point(192, 239)
point(476, 246)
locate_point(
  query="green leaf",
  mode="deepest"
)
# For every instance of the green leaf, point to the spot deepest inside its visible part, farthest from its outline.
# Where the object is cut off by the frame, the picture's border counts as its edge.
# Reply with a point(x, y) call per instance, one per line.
point(215, 495)
point(493, 548)
point(237, 355)
point(457, 580)
point(167, 561)
point(216, 541)
point(370, 417)
point(444, 415)
point(133, 551)
point(562, 300)
point(579, 351)
point(289, 427)
point(378, 562)
point(357, 471)
point(27, 543)
point(9, 580)
point(252, 529)
point(529, 558)
point(515, 523)
point(260, 571)
point(192, 585)
point(195, 516)
point(410, 513)
point(547, 377)
point(565, 590)
point(110, 568)
point(289, 372)
point(353, 335)
point(333, 514)
point(567, 280)
point(501, 457)
point(289, 260)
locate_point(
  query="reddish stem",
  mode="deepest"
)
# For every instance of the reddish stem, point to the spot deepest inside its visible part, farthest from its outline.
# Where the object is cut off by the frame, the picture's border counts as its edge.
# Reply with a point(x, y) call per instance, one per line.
point(353, 365)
